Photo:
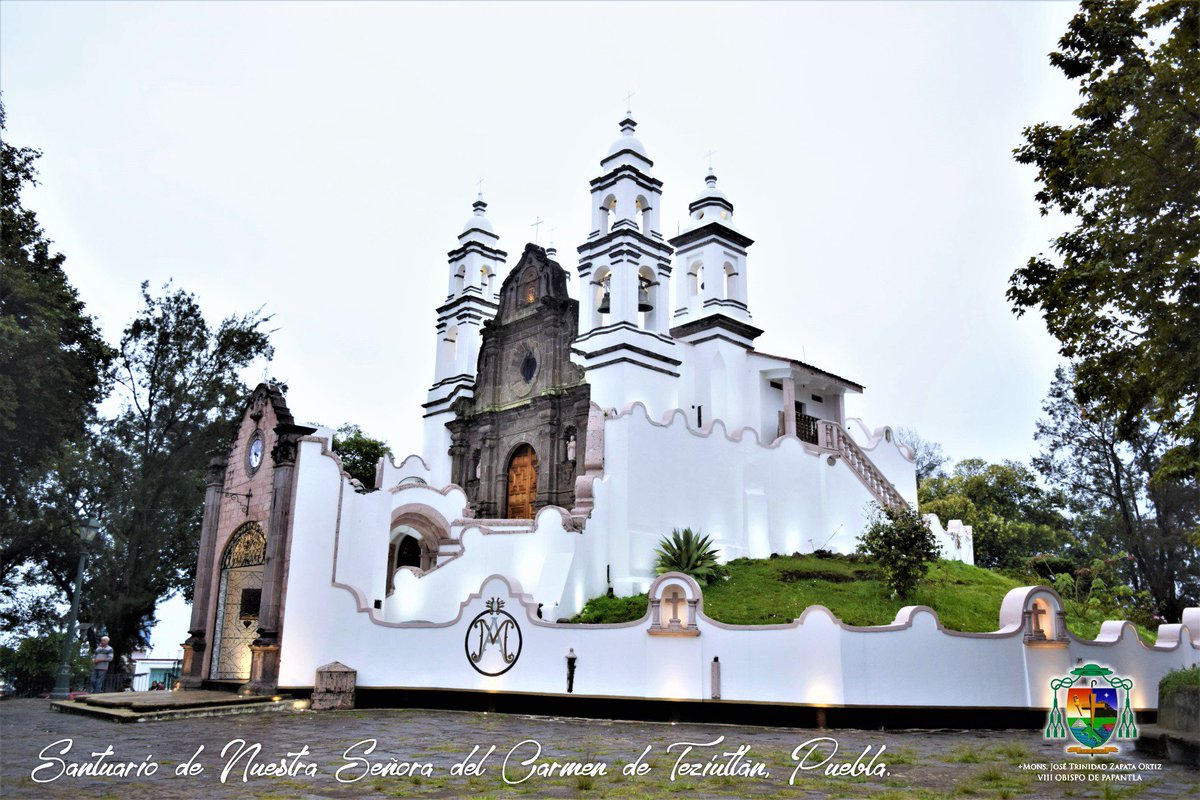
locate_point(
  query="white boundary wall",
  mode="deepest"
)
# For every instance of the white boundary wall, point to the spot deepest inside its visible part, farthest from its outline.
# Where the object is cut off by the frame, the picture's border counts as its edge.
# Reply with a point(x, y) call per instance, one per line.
point(814, 660)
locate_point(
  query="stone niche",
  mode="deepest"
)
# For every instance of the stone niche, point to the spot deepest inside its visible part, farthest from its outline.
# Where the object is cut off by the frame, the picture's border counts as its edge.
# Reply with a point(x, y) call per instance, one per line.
point(674, 603)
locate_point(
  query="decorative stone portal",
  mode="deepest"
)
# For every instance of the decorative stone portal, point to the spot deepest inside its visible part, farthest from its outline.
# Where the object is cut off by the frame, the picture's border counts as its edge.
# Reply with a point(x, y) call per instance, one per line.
point(522, 483)
point(238, 602)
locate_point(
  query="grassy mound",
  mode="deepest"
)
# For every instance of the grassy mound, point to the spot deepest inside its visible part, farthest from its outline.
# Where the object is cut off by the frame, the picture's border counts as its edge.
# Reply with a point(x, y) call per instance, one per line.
point(777, 590)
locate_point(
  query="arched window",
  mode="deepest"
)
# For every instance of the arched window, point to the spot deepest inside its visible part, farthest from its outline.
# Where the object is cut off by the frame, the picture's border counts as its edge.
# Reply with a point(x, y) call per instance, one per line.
point(695, 279)
point(485, 281)
point(643, 206)
point(450, 350)
point(608, 207)
point(601, 298)
point(730, 282)
point(528, 288)
point(647, 299)
point(459, 280)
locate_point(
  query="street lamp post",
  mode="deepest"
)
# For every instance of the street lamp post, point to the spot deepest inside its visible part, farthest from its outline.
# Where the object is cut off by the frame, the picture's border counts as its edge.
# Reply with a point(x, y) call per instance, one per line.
point(62, 686)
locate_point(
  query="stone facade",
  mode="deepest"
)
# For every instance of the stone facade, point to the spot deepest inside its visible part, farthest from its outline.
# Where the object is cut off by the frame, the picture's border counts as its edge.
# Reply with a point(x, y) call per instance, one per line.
point(527, 392)
point(251, 486)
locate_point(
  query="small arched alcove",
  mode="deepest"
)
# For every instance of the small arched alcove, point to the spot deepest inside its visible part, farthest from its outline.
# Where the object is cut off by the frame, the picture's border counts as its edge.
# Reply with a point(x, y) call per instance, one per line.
point(674, 603)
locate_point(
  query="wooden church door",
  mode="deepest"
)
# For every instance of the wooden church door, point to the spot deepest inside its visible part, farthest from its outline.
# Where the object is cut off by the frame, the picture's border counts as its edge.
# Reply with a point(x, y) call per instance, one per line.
point(522, 483)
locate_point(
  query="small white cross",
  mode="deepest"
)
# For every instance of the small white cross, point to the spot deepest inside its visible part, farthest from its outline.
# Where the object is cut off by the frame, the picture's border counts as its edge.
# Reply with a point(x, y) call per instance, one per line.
point(481, 185)
point(537, 229)
point(709, 156)
point(628, 105)
point(674, 600)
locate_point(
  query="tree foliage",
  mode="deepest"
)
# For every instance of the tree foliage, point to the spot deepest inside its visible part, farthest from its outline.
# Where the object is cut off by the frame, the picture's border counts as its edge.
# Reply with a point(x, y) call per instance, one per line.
point(52, 370)
point(32, 663)
point(1122, 291)
point(689, 553)
point(360, 453)
point(901, 542)
point(1013, 517)
point(180, 391)
point(1119, 501)
point(927, 456)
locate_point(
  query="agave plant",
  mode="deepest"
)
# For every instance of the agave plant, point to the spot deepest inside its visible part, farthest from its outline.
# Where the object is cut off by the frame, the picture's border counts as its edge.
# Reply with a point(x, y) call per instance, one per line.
point(690, 554)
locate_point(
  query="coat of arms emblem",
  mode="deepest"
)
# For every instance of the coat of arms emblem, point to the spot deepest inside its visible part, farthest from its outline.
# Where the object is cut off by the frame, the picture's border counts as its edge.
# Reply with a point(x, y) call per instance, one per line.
point(493, 640)
point(1094, 711)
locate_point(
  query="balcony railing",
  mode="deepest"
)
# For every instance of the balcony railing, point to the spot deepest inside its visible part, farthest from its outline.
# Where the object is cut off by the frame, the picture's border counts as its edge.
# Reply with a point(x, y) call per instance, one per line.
point(806, 428)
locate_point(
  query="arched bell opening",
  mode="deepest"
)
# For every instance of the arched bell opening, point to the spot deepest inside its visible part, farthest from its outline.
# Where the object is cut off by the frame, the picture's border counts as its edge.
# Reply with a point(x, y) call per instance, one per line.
point(647, 299)
point(601, 298)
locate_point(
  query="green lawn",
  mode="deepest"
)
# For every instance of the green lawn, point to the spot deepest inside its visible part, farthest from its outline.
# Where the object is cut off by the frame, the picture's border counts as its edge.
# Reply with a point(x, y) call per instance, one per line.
point(777, 590)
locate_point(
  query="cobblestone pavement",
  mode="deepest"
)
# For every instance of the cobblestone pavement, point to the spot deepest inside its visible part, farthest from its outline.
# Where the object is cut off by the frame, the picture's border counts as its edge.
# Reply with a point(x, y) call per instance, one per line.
point(903, 764)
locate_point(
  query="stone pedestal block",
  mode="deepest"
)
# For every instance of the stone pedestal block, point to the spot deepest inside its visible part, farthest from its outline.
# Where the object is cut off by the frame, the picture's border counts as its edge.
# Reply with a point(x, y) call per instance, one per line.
point(334, 687)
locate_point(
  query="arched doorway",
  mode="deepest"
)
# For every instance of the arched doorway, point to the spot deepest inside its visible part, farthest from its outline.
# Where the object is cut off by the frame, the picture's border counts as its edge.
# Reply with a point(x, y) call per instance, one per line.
point(522, 483)
point(238, 602)
point(413, 545)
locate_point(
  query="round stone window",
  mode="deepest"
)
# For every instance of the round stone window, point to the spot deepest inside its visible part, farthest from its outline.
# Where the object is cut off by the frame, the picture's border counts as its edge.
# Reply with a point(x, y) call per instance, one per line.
point(528, 367)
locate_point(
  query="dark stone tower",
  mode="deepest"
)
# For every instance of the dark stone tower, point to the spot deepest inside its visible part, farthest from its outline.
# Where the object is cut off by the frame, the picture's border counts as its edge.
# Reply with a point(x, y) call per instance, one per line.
point(516, 442)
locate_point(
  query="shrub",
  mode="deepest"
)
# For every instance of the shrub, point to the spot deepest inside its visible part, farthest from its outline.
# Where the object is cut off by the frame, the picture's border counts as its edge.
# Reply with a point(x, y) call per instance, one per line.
point(1178, 679)
point(690, 554)
point(604, 609)
point(902, 544)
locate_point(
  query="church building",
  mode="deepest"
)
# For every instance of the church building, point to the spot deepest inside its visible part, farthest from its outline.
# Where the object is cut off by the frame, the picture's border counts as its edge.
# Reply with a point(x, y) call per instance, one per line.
point(567, 430)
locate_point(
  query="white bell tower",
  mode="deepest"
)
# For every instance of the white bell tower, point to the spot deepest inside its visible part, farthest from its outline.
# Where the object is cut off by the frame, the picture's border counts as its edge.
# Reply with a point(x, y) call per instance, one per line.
point(710, 254)
point(473, 269)
point(624, 276)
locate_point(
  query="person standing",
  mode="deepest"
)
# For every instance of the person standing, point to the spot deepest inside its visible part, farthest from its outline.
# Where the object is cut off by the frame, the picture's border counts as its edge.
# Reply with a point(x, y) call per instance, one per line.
point(101, 658)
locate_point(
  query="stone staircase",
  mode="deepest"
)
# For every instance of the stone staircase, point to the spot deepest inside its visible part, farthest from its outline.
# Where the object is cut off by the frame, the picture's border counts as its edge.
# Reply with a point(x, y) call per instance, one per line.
point(833, 438)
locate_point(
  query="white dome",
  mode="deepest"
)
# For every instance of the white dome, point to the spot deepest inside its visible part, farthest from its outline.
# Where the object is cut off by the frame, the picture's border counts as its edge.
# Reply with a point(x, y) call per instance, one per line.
point(627, 143)
point(478, 222)
point(710, 193)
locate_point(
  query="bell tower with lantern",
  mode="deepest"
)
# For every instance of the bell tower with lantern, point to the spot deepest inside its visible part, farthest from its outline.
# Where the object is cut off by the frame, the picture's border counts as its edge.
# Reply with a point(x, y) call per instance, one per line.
point(471, 301)
point(624, 344)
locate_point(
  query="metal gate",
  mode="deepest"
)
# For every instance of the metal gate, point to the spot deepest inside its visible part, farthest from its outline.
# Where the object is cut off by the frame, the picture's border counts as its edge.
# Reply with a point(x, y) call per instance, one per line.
point(238, 603)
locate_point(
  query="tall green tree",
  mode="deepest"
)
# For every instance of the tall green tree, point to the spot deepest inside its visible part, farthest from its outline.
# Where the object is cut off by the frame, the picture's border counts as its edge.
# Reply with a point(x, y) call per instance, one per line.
point(1013, 517)
point(1119, 500)
point(180, 391)
point(928, 457)
point(53, 366)
point(1121, 291)
point(360, 453)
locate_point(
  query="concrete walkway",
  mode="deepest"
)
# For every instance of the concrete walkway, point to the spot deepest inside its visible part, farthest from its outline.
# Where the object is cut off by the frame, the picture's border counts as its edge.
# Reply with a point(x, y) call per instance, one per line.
point(913, 764)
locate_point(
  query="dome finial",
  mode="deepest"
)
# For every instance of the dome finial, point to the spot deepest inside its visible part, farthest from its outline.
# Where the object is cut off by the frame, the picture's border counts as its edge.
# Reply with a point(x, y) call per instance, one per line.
point(627, 124)
point(478, 220)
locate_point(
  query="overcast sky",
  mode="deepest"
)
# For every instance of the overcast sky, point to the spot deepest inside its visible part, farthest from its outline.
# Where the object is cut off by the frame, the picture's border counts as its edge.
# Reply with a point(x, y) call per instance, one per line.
point(319, 160)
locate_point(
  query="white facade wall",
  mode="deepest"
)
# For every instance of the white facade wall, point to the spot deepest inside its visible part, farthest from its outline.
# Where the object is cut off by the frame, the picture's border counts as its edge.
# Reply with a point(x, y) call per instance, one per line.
point(815, 660)
point(752, 498)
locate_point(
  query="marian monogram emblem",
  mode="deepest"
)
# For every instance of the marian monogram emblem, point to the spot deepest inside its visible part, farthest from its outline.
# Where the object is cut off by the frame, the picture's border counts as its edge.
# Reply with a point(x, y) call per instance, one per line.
point(1094, 711)
point(493, 640)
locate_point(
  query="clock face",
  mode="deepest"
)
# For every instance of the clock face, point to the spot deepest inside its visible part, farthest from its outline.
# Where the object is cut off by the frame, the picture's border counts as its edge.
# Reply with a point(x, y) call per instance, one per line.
point(256, 452)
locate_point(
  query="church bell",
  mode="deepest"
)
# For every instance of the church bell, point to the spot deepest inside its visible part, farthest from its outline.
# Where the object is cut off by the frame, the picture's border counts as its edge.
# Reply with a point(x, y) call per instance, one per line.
point(605, 306)
point(644, 298)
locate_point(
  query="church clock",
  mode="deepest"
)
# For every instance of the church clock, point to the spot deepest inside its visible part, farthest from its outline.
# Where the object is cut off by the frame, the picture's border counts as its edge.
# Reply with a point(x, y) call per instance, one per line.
point(254, 453)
